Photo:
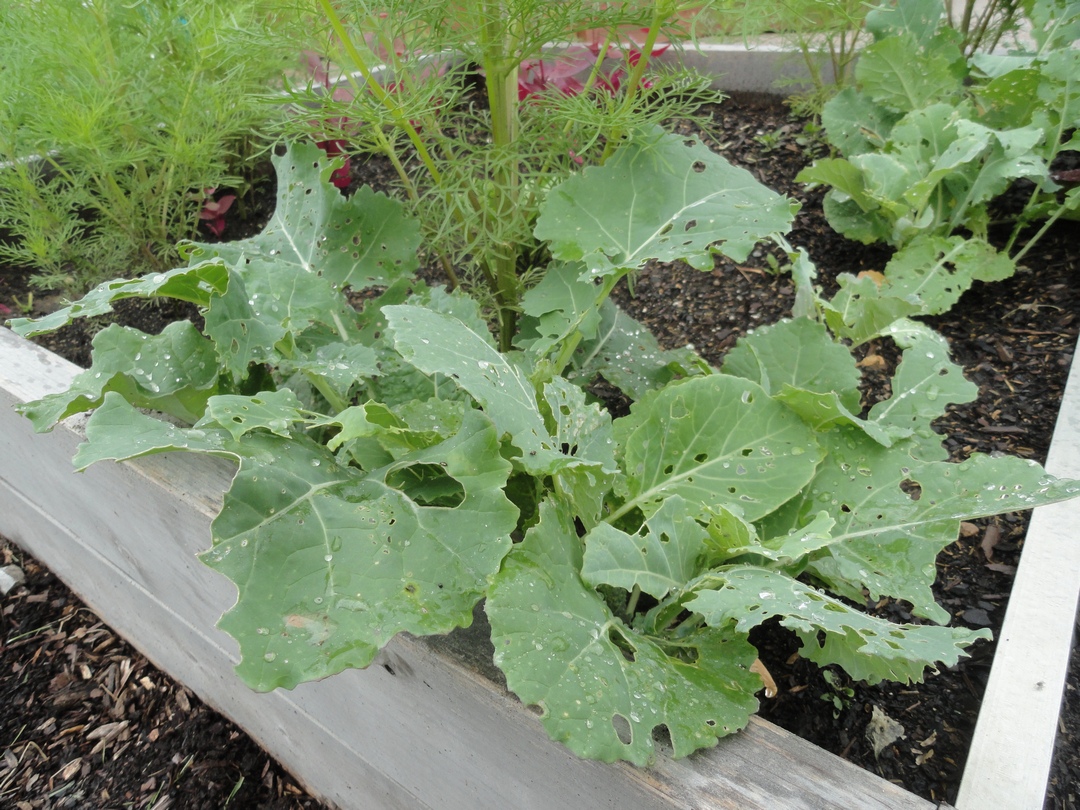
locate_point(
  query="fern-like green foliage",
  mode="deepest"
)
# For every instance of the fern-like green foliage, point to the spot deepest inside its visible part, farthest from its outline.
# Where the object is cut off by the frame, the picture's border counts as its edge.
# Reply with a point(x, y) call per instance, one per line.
point(115, 117)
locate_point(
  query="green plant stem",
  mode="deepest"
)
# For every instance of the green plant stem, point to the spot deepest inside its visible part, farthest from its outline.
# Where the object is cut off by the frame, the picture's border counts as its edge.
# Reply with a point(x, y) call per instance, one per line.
point(387, 147)
point(498, 43)
point(571, 343)
point(1033, 240)
point(320, 385)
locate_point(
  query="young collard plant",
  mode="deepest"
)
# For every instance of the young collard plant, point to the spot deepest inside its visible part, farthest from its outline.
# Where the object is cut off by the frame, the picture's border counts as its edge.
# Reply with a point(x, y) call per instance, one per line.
point(395, 467)
point(929, 144)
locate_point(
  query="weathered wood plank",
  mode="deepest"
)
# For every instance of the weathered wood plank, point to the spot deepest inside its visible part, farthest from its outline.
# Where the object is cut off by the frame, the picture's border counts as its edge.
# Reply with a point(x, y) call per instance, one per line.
point(417, 729)
point(775, 67)
point(1011, 753)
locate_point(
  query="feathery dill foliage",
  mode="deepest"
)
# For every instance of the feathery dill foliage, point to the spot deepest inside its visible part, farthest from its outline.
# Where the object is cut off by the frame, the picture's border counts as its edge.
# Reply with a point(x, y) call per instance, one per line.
point(134, 108)
point(474, 168)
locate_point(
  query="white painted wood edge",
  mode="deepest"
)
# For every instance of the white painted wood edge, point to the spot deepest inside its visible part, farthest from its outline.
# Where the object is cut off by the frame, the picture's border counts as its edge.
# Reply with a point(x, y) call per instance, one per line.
point(1012, 750)
point(417, 728)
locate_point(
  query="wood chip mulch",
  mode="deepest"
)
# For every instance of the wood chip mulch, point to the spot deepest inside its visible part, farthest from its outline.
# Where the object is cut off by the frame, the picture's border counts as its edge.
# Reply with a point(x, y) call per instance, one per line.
point(88, 722)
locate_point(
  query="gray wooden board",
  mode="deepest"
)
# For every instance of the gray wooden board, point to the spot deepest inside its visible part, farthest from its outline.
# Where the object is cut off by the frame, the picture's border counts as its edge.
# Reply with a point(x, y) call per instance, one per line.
point(1013, 746)
point(419, 728)
point(768, 66)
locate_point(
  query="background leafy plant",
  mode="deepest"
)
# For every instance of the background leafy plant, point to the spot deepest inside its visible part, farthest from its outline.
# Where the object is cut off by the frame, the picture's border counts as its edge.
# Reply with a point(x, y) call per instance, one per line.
point(133, 109)
point(930, 144)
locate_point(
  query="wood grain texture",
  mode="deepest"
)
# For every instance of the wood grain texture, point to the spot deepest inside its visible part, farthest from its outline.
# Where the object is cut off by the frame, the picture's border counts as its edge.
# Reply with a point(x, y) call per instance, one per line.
point(1013, 747)
point(420, 728)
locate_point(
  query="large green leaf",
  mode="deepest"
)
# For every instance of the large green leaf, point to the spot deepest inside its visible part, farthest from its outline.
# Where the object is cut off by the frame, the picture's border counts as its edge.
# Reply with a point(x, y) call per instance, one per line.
point(174, 372)
point(1011, 98)
point(895, 512)
point(891, 76)
point(357, 241)
point(918, 18)
point(562, 649)
point(331, 563)
point(116, 431)
point(715, 441)
point(663, 197)
point(854, 123)
point(868, 648)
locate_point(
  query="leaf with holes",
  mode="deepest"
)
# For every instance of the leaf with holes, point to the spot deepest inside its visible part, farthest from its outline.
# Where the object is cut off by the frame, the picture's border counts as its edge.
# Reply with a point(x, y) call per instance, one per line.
point(796, 544)
point(715, 441)
point(274, 411)
point(438, 343)
point(894, 513)
point(581, 431)
point(664, 554)
point(660, 197)
point(627, 355)
point(331, 562)
point(604, 688)
point(802, 366)
point(359, 241)
point(861, 310)
point(925, 383)
point(339, 365)
point(868, 648)
point(797, 353)
point(560, 304)
point(936, 270)
point(887, 72)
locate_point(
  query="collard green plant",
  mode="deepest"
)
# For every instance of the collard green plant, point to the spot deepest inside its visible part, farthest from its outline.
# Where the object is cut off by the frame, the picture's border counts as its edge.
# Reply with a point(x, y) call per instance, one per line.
point(116, 118)
point(929, 144)
point(395, 467)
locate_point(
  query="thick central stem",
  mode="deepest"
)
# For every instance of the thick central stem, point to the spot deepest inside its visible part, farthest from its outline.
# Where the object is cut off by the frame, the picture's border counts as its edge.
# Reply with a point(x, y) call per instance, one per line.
point(499, 44)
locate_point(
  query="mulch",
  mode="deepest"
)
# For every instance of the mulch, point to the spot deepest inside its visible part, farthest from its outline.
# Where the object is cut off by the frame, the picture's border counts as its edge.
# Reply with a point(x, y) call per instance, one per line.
point(87, 722)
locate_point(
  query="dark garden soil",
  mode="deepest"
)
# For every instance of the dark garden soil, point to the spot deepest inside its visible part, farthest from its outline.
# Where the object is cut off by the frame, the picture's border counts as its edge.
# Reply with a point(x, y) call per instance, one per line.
point(85, 721)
